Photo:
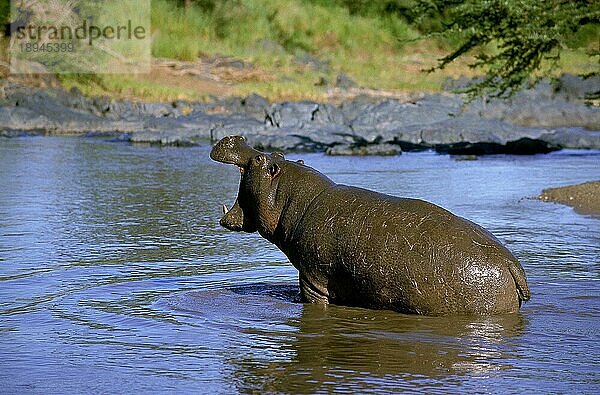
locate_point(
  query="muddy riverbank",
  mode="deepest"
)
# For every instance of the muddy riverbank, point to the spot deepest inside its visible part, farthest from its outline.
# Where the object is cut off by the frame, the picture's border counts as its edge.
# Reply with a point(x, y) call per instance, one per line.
point(584, 198)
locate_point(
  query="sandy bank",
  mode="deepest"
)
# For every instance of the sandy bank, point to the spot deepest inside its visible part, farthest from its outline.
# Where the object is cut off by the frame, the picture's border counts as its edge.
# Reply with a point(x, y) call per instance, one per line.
point(584, 198)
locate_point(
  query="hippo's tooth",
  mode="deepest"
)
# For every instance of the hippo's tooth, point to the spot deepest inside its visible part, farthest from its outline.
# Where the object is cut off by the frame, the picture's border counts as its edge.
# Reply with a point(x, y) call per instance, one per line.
point(241, 170)
point(225, 209)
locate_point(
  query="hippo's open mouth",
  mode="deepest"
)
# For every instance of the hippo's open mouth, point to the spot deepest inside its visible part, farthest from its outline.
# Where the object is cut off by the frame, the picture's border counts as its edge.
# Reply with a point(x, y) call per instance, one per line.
point(233, 219)
point(236, 151)
point(225, 209)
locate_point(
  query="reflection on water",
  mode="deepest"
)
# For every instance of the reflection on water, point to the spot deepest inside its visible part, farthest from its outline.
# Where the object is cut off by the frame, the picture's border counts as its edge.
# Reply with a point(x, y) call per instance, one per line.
point(351, 349)
point(115, 276)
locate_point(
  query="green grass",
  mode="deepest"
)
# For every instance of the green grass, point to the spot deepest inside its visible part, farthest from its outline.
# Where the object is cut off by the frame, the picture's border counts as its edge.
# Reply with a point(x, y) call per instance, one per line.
point(375, 49)
point(178, 33)
point(242, 28)
point(128, 87)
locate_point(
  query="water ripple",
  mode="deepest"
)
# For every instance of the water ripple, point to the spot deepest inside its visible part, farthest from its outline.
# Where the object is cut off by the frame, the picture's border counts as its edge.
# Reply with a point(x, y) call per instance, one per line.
point(115, 273)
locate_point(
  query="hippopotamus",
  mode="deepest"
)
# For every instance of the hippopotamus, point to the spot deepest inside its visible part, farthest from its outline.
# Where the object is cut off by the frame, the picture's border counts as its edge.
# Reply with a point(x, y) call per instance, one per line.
point(356, 247)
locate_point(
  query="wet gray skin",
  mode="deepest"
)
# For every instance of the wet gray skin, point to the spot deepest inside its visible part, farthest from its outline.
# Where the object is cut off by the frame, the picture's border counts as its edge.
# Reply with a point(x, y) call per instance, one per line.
point(356, 247)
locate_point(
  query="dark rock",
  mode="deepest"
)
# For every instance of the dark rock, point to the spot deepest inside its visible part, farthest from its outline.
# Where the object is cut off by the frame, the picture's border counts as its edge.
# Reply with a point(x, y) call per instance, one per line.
point(469, 135)
point(573, 87)
point(54, 118)
point(242, 126)
point(572, 138)
point(156, 110)
point(464, 148)
point(290, 114)
point(288, 143)
point(542, 106)
point(302, 114)
point(527, 146)
point(351, 109)
point(233, 63)
point(391, 115)
point(21, 118)
point(407, 146)
point(190, 130)
point(108, 135)
point(523, 146)
point(328, 135)
point(256, 106)
point(73, 104)
point(471, 129)
point(279, 143)
point(537, 109)
point(312, 138)
point(360, 126)
point(162, 137)
point(327, 114)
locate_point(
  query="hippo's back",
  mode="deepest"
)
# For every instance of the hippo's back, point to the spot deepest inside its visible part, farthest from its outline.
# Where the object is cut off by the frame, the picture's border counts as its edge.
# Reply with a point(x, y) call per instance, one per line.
point(405, 254)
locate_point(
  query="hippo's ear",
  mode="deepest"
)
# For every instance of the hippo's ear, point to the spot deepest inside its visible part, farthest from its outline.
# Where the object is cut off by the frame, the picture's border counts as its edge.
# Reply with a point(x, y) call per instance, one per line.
point(274, 170)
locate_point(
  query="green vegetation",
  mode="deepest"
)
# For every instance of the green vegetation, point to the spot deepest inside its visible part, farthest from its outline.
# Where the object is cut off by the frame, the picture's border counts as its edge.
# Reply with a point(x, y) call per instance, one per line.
point(129, 87)
point(293, 45)
point(514, 40)
point(4, 12)
point(380, 44)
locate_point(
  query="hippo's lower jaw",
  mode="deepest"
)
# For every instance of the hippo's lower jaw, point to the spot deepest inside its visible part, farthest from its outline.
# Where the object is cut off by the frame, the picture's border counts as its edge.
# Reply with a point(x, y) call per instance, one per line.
point(235, 219)
point(227, 224)
point(232, 219)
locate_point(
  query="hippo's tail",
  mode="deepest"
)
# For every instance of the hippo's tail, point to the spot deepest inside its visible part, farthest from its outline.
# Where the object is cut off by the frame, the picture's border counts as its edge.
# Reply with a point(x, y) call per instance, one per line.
point(520, 280)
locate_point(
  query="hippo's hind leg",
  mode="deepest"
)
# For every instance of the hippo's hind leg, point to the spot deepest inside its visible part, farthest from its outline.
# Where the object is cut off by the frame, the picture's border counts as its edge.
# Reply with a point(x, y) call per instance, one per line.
point(312, 293)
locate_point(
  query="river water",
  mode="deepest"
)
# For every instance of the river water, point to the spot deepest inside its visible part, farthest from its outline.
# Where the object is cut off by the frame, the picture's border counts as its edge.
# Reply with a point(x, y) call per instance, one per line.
point(116, 277)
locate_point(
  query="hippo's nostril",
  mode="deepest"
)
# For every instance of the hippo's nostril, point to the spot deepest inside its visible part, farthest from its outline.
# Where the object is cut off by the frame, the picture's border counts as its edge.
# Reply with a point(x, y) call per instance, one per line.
point(234, 150)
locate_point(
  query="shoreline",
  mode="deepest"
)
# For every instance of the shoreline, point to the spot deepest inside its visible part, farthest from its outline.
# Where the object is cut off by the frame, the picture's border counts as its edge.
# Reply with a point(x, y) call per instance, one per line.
point(538, 120)
point(583, 198)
